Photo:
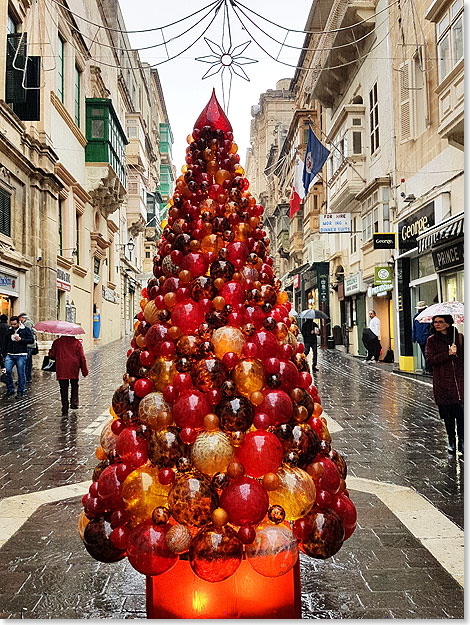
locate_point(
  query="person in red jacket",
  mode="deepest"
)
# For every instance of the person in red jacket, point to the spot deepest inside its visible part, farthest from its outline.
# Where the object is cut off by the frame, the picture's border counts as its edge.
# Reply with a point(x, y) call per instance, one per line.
point(445, 352)
point(67, 352)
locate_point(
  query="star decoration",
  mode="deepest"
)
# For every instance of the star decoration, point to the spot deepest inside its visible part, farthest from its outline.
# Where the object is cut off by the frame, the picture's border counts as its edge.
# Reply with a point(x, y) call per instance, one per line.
point(230, 59)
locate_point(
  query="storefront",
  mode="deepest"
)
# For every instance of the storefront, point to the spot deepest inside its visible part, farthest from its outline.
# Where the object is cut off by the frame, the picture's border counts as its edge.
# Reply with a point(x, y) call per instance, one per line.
point(9, 291)
point(355, 309)
point(416, 280)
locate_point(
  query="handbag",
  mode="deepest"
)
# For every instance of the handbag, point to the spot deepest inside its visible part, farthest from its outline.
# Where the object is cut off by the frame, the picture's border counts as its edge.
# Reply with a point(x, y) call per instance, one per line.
point(48, 364)
point(35, 350)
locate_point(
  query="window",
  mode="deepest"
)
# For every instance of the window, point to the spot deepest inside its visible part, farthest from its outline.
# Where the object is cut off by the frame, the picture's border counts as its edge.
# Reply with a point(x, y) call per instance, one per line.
point(353, 240)
point(374, 119)
point(357, 142)
point(450, 39)
point(11, 25)
point(376, 219)
point(60, 68)
point(5, 213)
point(413, 106)
point(77, 95)
point(77, 238)
point(60, 227)
point(147, 254)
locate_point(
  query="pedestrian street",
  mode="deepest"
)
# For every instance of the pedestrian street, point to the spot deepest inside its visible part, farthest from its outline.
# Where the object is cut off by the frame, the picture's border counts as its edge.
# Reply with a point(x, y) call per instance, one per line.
point(405, 559)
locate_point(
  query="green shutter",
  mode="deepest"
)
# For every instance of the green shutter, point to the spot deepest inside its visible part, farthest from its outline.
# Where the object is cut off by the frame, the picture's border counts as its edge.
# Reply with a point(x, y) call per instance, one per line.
point(5, 212)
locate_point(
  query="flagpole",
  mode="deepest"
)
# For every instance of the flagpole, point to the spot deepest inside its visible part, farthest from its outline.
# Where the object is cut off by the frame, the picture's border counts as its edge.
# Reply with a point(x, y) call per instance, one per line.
point(312, 125)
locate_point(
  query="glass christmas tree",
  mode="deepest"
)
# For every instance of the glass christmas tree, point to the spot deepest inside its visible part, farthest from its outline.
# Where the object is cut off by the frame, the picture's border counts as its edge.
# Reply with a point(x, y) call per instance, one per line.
point(216, 450)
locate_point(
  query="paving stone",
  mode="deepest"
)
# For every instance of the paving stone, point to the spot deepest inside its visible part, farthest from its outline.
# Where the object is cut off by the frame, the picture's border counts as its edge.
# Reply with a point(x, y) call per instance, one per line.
point(391, 433)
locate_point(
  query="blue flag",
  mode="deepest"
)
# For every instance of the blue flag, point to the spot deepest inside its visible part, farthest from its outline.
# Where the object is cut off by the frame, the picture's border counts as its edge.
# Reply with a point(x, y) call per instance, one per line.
point(315, 158)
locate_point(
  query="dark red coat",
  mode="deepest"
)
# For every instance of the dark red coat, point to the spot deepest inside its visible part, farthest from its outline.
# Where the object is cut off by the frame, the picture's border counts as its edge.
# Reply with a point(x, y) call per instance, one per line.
point(69, 358)
point(447, 371)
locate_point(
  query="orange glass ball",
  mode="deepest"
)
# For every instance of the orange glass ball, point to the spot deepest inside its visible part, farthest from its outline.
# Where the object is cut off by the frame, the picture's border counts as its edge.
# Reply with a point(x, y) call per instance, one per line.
point(270, 481)
point(219, 283)
point(219, 302)
point(317, 410)
point(143, 303)
point(100, 453)
point(222, 175)
point(235, 469)
point(140, 340)
point(169, 299)
point(281, 298)
point(211, 422)
point(185, 276)
point(174, 333)
point(219, 517)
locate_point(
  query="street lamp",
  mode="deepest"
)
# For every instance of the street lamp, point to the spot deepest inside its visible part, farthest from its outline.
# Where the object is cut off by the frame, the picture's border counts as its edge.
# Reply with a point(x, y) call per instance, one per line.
point(130, 246)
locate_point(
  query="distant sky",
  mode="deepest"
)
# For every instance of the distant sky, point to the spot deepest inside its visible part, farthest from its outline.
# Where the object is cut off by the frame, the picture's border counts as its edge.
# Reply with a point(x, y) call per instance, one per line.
point(185, 93)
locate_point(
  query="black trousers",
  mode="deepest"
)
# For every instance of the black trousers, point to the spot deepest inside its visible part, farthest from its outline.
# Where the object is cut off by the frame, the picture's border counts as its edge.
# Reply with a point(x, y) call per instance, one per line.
point(453, 414)
point(314, 348)
point(373, 349)
point(64, 394)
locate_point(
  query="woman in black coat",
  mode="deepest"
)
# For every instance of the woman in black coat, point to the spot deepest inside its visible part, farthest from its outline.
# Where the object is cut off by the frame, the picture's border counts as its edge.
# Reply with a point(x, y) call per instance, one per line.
point(309, 333)
point(445, 352)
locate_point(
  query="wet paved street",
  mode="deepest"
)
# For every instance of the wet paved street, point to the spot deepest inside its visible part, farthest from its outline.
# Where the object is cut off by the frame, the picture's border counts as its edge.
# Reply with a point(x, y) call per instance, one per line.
point(391, 434)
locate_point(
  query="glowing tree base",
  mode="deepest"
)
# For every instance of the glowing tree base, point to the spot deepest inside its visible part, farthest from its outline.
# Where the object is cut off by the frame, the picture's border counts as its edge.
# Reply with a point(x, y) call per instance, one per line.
point(180, 593)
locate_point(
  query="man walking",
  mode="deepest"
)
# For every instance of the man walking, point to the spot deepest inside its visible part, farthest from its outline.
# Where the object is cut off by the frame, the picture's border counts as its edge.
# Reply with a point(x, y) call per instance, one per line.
point(27, 322)
point(17, 340)
point(420, 333)
point(374, 347)
point(310, 330)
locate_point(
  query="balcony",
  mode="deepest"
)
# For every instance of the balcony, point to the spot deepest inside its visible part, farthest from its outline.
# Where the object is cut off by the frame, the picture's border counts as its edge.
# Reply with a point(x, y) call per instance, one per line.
point(105, 155)
point(450, 94)
point(345, 184)
point(296, 242)
point(135, 150)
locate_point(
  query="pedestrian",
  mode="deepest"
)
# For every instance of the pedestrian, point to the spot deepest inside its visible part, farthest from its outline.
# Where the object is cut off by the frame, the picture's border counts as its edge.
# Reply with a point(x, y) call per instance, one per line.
point(17, 341)
point(3, 334)
point(310, 331)
point(373, 344)
point(32, 349)
point(420, 333)
point(445, 352)
point(67, 351)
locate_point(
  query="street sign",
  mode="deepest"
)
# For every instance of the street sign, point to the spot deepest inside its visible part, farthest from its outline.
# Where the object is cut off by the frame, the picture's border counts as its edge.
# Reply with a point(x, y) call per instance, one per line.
point(383, 275)
point(334, 223)
point(385, 241)
point(297, 281)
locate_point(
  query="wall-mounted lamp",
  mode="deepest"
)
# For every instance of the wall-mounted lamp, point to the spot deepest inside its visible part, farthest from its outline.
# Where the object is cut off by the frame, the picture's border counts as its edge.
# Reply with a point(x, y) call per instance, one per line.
point(130, 245)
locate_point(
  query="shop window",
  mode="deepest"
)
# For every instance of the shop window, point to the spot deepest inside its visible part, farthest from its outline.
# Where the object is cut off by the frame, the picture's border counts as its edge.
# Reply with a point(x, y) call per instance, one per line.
point(452, 286)
point(450, 39)
point(374, 119)
point(421, 267)
point(5, 213)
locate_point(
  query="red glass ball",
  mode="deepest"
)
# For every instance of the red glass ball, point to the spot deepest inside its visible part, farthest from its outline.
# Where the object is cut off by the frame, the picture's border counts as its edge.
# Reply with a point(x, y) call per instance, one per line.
point(155, 336)
point(196, 263)
point(233, 293)
point(330, 480)
point(170, 394)
point(143, 387)
point(117, 426)
point(245, 500)
point(237, 250)
point(267, 344)
point(187, 316)
point(324, 499)
point(277, 405)
point(286, 351)
point(305, 379)
point(250, 350)
point(272, 365)
point(147, 549)
point(129, 444)
point(119, 537)
point(246, 534)
point(146, 359)
point(119, 517)
point(302, 529)
point(109, 487)
point(166, 476)
point(289, 376)
point(230, 359)
point(261, 453)
point(182, 382)
point(261, 421)
point(122, 471)
point(346, 510)
point(190, 409)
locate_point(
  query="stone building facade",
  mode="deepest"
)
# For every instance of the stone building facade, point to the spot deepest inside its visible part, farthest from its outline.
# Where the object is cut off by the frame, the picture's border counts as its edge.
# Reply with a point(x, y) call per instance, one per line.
point(66, 217)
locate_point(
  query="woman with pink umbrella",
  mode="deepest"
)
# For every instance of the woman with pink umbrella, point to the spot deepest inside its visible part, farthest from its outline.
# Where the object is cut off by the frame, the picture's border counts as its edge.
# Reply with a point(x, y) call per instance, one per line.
point(67, 351)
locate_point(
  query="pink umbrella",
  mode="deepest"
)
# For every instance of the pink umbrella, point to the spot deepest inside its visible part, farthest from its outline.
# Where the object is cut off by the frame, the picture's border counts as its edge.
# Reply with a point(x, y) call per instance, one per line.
point(59, 327)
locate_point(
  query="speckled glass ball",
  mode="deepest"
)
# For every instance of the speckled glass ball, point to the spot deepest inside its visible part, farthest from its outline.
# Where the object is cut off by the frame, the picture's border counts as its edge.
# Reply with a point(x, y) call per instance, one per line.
point(97, 542)
point(188, 346)
point(123, 400)
point(327, 534)
point(300, 439)
point(248, 376)
point(108, 438)
point(209, 374)
point(306, 400)
point(212, 452)
point(169, 268)
point(339, 461)
point(235, 413)
point(133, 363)
point(222, 269)
point(162, 373)
point(273, 552)
point(178, 538)
point(295, 494)
point(227, 339)
point(203, 288)
point(165, 447)
point(192, 500)
point(220, 481)
point(154, 411)
point(276, 514)
point(161, 515)
point(142, 492)
point(215, 553)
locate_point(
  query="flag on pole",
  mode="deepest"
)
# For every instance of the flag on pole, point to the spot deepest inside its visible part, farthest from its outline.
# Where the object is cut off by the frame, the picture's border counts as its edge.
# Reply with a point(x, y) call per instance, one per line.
point(315, 158)
point(297, 194)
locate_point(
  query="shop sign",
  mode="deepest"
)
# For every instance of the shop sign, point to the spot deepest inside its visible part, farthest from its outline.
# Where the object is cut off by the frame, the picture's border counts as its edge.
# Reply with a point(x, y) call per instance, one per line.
point(381, 289)
point(353, 284)
point(63, 280)
point(8, 284)
point(70, 313)
point(334, 223)
point(447, 257)
point(109, 295)
point(385, 240)
point(414, 225)
point(297, 281)
point(383, 275)
point(323, 288)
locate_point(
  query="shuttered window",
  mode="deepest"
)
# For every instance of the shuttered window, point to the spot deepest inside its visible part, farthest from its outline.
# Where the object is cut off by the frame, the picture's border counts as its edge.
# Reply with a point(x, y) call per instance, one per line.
point(405, 102)
point(374, 119)
point(5, 213)
point(60, 68)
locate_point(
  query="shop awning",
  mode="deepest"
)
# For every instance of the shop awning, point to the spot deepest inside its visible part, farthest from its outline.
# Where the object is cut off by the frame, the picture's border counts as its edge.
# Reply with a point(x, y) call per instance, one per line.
point(448, 229)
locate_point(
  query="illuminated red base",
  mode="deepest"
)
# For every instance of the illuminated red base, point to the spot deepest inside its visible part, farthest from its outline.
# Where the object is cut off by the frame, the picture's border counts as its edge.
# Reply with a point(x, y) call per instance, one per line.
point(179, 593)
